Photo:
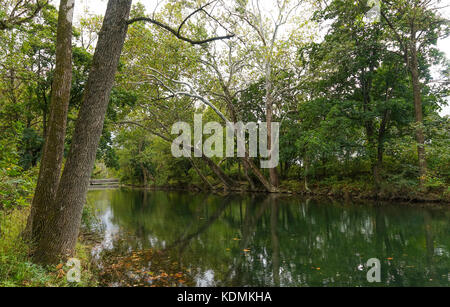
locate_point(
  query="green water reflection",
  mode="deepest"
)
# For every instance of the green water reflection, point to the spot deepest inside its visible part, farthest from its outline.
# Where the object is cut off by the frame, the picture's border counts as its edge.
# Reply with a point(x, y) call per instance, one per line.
point(258, 240)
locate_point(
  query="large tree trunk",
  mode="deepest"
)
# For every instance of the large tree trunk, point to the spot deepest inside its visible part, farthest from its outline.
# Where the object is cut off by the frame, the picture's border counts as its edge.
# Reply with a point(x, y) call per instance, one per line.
point(274, 180)
point(53, 153)
point(420, 138)
point(60, 234)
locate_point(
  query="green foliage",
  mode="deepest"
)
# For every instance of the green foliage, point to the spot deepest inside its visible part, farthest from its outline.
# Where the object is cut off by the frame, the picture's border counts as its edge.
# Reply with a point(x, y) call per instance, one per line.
point(16, 186)
point(16, 269)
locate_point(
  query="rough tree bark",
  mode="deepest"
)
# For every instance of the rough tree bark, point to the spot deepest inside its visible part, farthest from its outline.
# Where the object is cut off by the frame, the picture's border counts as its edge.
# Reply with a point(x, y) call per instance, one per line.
point(53, 153)
point(61, 232)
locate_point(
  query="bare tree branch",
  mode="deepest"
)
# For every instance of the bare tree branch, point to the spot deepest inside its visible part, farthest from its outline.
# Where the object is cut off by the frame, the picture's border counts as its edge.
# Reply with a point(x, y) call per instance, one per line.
point(177, 32)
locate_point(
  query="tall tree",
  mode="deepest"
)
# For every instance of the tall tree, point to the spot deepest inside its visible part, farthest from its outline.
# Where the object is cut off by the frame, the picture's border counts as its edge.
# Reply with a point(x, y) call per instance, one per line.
point(226, 87)
point(358, 74)
point(416, 25)
point(62, 227)
point(268, 44)
point(53, 153)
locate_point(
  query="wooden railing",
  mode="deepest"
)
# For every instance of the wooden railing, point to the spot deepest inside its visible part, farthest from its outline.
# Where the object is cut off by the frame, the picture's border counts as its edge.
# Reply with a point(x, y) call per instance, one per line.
point(104, 183)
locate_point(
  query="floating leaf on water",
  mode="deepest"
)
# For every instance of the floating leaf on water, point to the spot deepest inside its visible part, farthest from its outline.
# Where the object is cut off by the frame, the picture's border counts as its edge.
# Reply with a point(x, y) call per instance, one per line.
point(61, 273)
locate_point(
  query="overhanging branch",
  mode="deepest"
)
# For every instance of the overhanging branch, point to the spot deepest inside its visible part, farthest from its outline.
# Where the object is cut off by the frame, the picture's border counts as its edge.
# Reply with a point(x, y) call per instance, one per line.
point(177, 32)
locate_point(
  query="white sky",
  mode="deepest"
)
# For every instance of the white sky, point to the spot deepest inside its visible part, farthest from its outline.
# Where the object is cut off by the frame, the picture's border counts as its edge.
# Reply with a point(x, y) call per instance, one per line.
point(99, 7)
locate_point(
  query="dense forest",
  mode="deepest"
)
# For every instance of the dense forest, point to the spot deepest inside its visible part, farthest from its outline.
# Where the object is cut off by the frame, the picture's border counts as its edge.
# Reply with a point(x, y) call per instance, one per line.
point(359, 100)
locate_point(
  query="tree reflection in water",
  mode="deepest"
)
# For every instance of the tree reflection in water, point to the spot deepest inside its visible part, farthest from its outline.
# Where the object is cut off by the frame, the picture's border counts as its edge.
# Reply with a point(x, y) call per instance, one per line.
point(259, 240)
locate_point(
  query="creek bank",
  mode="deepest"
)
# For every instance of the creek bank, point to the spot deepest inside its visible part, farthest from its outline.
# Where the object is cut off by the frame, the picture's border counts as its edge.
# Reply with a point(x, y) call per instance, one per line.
point(347, 192)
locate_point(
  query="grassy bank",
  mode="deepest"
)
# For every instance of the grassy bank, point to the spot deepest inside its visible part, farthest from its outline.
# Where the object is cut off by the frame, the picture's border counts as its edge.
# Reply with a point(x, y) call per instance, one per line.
point(16, 267)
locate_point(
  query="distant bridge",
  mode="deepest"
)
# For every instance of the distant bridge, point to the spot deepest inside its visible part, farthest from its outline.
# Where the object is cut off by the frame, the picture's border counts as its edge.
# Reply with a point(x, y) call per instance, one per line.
point(104, 183)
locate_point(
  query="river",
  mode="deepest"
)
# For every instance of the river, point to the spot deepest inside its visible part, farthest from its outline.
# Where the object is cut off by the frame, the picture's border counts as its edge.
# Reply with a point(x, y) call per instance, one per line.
point(159, 238)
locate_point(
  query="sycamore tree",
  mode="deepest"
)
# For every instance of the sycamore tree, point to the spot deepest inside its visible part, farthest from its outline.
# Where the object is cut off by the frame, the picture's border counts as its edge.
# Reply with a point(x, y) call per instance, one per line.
point(258, 51)
point(270, 36)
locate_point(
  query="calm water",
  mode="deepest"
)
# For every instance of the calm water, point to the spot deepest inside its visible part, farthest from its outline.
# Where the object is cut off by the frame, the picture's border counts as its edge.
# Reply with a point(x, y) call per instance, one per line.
point(263, 240)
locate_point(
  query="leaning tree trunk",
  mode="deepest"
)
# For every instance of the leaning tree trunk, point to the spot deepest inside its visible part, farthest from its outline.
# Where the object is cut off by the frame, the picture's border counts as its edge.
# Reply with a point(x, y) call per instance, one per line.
point(420, 138)
point(60, 234)
point(200, 174)
point(248, 163)
point(229, 184)
point(53, 153)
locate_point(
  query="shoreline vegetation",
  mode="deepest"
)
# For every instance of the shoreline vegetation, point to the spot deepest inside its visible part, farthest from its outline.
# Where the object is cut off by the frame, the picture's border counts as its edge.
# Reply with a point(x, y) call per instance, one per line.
point(342, 192)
